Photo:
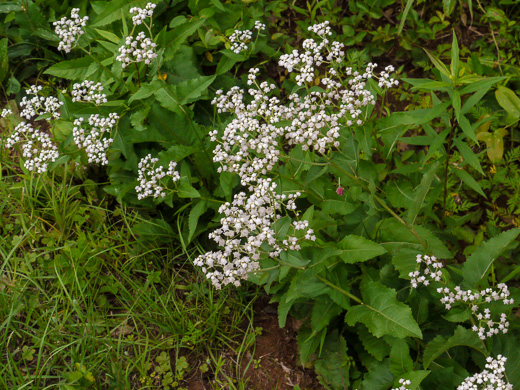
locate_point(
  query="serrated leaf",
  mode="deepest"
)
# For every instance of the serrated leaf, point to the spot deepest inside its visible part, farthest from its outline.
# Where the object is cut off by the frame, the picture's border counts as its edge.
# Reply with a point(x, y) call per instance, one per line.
point(138, 117)
point(379, 376)
point(376, 347)
point(480, 261)
point(400, 360)
point(71, 69)
point(333, 364)
point(355, 249)
point(382, 313)
point(439, 345)
point(145, 91)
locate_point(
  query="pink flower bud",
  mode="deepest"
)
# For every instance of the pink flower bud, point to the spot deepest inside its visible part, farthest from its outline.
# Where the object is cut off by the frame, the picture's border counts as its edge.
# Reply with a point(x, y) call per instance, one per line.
point(340, 191)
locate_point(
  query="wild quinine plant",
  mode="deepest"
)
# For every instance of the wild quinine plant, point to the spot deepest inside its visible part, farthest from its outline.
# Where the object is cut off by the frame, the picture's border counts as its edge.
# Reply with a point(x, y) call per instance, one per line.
point(344, 253)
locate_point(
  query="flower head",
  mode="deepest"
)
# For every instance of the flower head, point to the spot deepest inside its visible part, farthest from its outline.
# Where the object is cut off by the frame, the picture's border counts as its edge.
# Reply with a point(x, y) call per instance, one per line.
point(69, 30)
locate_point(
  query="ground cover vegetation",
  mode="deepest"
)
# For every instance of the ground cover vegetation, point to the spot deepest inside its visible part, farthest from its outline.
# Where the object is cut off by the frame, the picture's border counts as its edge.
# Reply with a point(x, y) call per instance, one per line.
point(169, 168)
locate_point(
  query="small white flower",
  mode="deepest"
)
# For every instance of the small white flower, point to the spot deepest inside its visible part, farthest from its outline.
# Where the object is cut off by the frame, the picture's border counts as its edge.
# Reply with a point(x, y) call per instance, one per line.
point(91, 136)
point(69, 30)
point(39, 105)
point(141, 49)
point(142, 14)
point(150, 177)
point(37, 147)
point(88, 91)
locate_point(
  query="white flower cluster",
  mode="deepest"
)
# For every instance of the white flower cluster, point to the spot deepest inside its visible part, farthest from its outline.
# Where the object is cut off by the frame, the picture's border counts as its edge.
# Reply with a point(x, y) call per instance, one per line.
point(487, 327)
point(140, 49)
point(150, 177)
point(247, 225)
point(492, 378)
point(259, 26)
point(432, 271)
point(6, 112)
point(69, 30)
point(88, 91)
point(91, 136)
point(240, 38)
point(37, 147)
point(315, 119)
point(39, 105)
point(404, 384)
point(142, 13)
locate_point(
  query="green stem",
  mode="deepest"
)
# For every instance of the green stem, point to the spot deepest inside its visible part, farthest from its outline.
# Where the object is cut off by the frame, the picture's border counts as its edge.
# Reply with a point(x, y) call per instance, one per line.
point(353, 297)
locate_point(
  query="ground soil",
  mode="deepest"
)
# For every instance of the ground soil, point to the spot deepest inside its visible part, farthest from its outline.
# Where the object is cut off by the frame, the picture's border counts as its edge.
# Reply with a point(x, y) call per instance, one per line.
point(276, 354)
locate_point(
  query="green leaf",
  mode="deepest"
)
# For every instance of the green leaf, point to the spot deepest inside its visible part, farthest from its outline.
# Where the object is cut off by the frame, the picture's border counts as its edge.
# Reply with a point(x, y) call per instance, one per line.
point(480, 261)
point(174, 38)
point(173, 97)
point(306, 344)
point(376, 347)
point(439, 345)
point(400, 360)
point(145, 91)
point(356, 249)
point(468, 155)
point(333, 364)
point(323, 311)
point(416, 377)
point(455, 60)
point(112, 11)
point(404, 15)
point(469, 181)
point(448, 6)
point(382, 313)
point(75, 69)
point(421, 192)
point(494, 143)
point(483, 83)
point(193, 218)
point(187, 191)
point(456, 104)
point(4, 60)
point(467, 129)
point(9, 7)
point(379, 376)
point(108, 35)
point(138, 117)
point(509, 101)
point(438, 64)
point(483, 87)
point(337, 207)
